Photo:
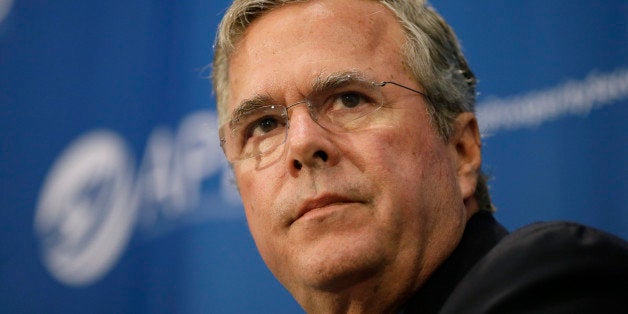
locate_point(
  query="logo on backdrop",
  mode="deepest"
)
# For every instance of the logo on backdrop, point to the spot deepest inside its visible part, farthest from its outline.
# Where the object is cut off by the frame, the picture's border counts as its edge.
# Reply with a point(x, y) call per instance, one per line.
point(93, 200)
point(573, 97)
point(85, 212)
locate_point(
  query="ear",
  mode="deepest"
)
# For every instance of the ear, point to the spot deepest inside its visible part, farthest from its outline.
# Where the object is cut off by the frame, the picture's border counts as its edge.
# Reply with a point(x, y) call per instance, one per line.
point(466, 147)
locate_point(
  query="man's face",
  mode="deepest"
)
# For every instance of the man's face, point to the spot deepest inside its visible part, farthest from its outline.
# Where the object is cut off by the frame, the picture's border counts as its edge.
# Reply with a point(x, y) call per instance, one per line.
point(339, 209)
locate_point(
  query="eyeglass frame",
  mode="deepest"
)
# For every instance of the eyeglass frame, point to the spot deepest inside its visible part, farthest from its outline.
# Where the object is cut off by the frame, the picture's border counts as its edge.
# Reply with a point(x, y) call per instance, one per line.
point(305, 101)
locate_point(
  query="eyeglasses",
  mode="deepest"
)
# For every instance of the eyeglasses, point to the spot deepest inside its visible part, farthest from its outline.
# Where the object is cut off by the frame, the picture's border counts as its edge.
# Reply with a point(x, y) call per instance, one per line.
point(343, 104)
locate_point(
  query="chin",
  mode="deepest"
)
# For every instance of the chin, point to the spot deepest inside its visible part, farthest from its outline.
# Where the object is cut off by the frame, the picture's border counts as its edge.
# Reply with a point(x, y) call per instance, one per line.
point(339, 264)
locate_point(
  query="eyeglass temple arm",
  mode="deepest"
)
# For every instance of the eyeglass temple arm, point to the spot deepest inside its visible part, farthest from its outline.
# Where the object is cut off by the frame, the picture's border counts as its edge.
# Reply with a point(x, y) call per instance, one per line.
point(402, 86)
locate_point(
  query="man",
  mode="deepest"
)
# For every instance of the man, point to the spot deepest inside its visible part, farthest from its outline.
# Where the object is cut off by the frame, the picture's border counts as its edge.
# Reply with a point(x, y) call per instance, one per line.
point(349, 126)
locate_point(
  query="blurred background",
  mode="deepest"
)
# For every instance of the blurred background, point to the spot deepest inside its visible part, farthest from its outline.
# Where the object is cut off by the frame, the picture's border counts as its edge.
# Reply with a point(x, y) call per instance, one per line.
point(115, 194)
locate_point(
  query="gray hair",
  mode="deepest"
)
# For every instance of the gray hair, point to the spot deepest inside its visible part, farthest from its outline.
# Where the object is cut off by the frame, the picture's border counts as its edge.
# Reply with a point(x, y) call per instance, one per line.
point(431, 54)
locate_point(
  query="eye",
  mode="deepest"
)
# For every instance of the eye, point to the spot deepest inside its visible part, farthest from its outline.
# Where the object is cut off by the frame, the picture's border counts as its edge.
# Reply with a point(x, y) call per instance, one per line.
point(348, 104)
point(263, 126)
point(350, 100)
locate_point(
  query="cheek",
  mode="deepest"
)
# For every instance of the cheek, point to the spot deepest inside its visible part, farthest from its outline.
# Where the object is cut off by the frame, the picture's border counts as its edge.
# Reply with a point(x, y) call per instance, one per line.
point(258, 193)
point(400, 158)
point(253, 193)
point(257, 189)
point(261, 231)
point(378, 151)
point(411, 169)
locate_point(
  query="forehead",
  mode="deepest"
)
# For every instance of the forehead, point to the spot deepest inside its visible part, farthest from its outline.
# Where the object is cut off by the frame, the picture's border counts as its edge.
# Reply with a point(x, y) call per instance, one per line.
point(285, 50)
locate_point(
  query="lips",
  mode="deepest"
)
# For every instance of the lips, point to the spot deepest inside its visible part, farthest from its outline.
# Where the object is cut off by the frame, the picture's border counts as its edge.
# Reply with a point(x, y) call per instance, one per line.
point(321, 202)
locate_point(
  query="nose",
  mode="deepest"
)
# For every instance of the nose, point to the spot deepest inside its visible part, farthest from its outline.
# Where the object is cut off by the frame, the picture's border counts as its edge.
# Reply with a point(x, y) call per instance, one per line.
point(308, 145)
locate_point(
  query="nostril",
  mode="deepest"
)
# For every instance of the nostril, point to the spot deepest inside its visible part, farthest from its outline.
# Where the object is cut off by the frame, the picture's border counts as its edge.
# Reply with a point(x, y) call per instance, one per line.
point(321, 154)
point(313, 161)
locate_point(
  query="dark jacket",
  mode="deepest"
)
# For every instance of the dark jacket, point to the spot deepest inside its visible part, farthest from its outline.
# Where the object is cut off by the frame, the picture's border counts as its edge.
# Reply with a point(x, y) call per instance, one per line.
point(557, 267)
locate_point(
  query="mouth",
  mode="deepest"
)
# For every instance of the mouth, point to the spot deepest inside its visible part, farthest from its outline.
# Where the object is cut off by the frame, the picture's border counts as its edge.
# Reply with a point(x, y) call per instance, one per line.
point(321, 202)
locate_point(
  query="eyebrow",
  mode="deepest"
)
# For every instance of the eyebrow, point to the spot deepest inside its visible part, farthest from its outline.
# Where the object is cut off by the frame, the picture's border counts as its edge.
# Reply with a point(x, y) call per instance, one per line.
point(336, 80)
point(249, 105)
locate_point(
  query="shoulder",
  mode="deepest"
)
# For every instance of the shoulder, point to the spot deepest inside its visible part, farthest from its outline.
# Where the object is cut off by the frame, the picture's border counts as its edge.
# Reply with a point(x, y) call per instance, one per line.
point(557, 267)
point(564, 245)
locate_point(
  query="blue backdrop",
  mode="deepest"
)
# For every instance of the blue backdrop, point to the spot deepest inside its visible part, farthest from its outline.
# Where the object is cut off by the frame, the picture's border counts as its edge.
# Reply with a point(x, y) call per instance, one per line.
point(115, 195)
